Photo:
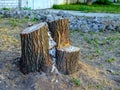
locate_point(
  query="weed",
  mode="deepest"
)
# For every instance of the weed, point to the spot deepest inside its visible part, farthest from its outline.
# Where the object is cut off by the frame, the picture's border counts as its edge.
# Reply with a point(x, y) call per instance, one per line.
point(91, 86)
point(13, 22)
point(74, 31)
point(88, 40)
point(75, 81)
point(97, 50)
point(95, 42)
point(116, 73)
point(117, 89)
point(110, 60)
point(34, 19)
point(101, 87)
point(26, 8)
point(81, 34)
point(1, 16)
point(6, 8)
point(118, 1)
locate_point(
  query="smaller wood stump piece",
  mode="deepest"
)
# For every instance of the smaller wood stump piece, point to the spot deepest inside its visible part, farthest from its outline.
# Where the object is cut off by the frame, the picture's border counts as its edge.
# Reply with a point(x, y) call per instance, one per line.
point(67, 59)
point(60, 32)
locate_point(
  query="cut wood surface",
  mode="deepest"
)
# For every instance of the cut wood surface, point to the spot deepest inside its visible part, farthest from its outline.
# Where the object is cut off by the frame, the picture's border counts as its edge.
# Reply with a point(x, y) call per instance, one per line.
point(67, 59)
point(59, 31)
point(34, 46)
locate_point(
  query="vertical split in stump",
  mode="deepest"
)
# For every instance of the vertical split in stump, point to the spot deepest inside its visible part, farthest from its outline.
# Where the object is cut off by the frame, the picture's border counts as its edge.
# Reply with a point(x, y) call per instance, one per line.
point(41, 53)
point(59, 32)
point(67, 56)
point(67, 59)
point(34, 46)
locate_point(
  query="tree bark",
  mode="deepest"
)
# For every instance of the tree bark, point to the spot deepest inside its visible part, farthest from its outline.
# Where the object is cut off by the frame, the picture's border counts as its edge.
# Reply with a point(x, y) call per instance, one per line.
point(67, 59)
point(34, 46)
point(59, 31)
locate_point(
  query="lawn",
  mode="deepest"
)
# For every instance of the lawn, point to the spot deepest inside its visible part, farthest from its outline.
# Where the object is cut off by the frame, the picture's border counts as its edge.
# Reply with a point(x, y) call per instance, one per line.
point(90, 8)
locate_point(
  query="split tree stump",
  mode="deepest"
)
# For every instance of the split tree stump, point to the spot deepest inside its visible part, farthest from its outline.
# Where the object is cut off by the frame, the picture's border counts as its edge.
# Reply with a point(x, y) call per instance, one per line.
point(67, 56)
point(34, 46)
point(36, 52)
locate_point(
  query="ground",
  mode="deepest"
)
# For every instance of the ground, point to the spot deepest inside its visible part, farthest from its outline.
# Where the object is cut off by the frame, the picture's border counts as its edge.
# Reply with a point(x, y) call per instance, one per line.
point(99, 65)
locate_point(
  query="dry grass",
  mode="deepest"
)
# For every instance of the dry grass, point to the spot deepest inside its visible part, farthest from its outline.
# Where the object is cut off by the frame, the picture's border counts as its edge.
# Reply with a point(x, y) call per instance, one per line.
point(92, 78)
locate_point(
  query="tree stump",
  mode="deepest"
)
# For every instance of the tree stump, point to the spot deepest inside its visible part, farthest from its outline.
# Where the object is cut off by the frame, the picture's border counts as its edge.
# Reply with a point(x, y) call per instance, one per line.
point(34, 47)
point(59, 31)
point(67, 56)
point(67, 59)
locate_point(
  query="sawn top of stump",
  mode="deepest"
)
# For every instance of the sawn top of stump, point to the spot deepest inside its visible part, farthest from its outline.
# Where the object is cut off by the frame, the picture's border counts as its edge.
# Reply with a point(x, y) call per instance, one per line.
point(69, 49)
point(33, 28)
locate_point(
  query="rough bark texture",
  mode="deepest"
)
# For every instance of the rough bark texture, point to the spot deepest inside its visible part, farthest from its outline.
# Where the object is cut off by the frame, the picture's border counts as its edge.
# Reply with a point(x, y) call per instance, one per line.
point(34, 46)
point(67, 59)
point(59, 31)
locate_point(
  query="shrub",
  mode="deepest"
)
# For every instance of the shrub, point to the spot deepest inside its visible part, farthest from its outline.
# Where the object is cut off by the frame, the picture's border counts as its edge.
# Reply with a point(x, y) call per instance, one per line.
point(118, 1)
point(104, 2)
point(6, 8)
point(26, 8)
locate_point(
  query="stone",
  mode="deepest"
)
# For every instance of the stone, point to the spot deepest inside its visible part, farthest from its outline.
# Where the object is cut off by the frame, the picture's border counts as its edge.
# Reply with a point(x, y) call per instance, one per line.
point(101, 27)
point(60, 13)
point(94, 27)
point(84, 28)
point(49, 18)
point(82, 23)
point(109, 27)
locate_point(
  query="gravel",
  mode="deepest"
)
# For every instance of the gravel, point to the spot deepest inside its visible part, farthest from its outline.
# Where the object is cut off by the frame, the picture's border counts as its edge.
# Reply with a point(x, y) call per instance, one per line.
point(83, 23)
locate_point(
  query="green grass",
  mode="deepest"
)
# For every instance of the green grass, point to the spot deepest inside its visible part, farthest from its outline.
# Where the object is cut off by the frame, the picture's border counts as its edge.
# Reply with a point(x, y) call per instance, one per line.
point(90, 8)
point(110, 60)
point(75, 81)
point(117, 89)
point(118, 1)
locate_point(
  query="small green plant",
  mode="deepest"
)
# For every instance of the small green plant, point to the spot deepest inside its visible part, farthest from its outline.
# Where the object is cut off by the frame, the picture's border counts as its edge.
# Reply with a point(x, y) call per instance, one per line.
point(95, 42)
point(13, 22)
point(6, 8)
point(1, 16)
point(117, 89)
point(75, 81)
point(91, 86)
point(100, 87)
point(34, 19)
point(116, 73)
point(110, 60)
point(97, 50)
point(26, 8)
point(88, 40)
point(118, 1)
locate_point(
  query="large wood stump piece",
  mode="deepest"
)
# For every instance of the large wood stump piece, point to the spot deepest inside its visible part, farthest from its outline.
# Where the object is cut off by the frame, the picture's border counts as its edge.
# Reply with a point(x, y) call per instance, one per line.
point(34, 46)
point(59, 31)
point(67, 59)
